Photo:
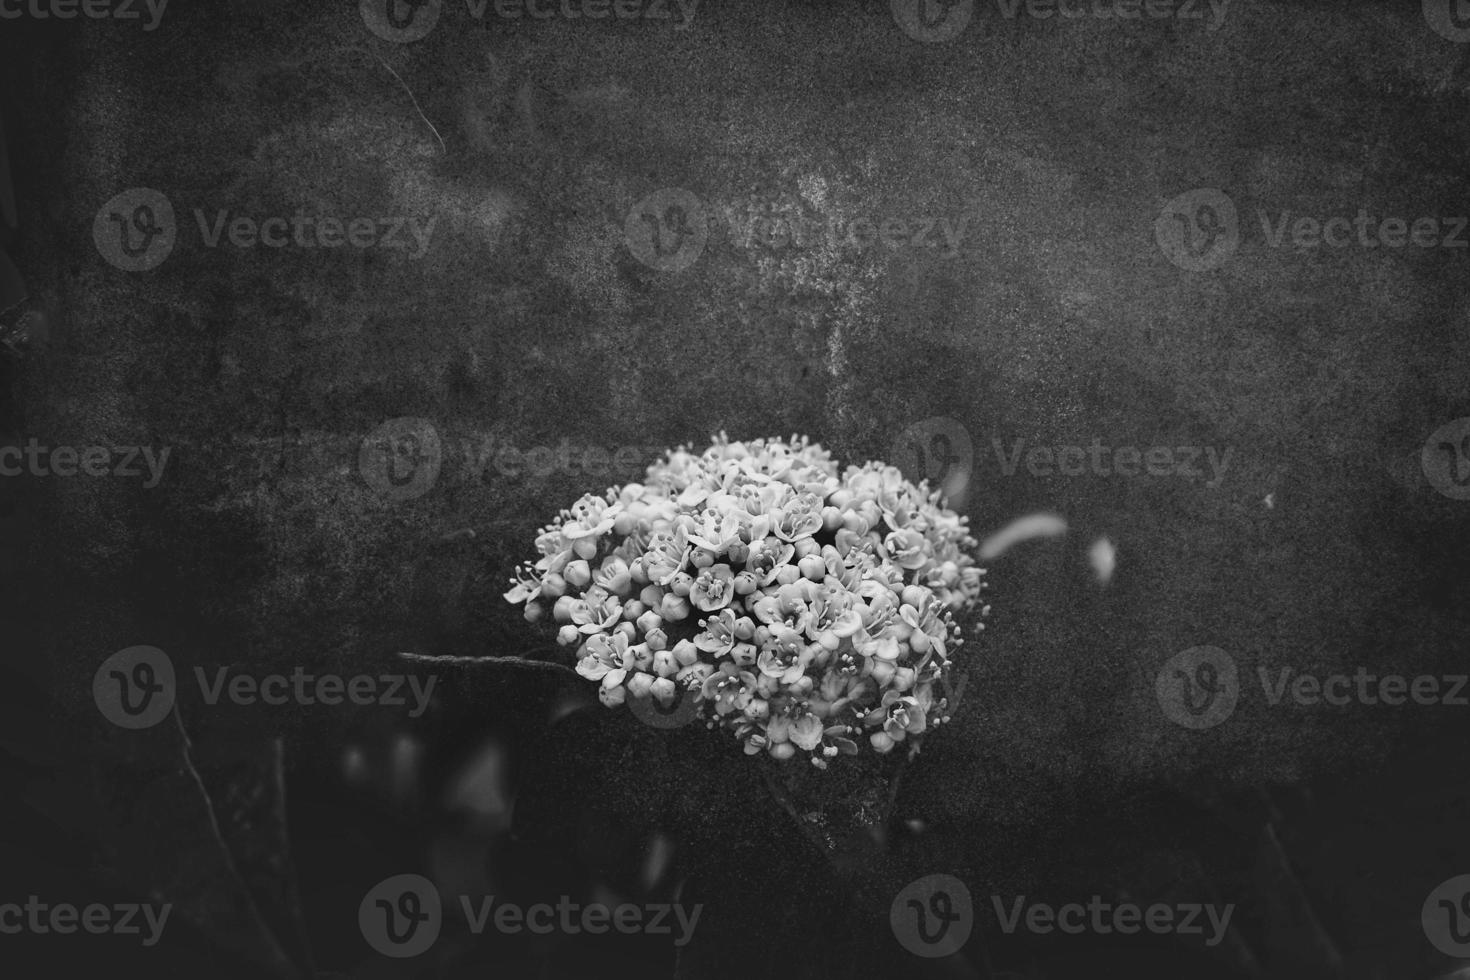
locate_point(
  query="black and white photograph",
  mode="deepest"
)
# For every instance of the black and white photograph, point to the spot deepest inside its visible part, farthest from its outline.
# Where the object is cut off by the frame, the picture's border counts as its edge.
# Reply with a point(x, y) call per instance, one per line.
point(704, 489)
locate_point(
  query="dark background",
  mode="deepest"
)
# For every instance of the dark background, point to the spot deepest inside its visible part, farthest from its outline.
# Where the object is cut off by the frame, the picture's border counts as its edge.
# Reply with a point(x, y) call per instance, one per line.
point(529, 321)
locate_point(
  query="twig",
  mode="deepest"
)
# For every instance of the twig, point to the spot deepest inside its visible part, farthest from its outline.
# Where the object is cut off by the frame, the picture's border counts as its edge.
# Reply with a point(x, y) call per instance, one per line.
point(781, 797)
point(442, 147)
point(430, 658)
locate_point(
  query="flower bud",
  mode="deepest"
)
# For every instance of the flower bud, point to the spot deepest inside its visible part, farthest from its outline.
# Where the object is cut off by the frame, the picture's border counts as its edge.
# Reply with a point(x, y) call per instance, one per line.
point(627, 629)
point(568, 635)
point(681, 583)
point(738, 553)
point(903, 678)
point(813, 568)
point(883, 671)
point(746, 583)
point(640, 684)
point(744, 628)
point(612, 696)
point(664, 691)
point(624, 523)
point(686, 653)
point(656, 639)
point(913, 595)
point(744, 654)
point(577, 573)
point(806, 546)
point(651, 596)
point(649, 621)
point(562, 610)
point(553, 585)
point(787, 574)
point(675, 608)
point(840, 498)
point(758, 709)
point(585, 548)
point(702, 558)
point(802, 686)
point(881, 742)
point(534, 612)
point(664, 664)
point(782, 750)
point(641, 656)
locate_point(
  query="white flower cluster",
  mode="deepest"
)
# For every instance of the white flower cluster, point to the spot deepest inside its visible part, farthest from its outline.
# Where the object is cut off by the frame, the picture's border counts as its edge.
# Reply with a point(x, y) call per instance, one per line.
point(806, 611)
